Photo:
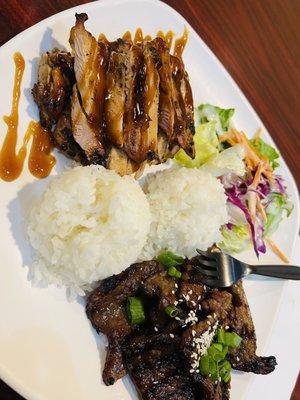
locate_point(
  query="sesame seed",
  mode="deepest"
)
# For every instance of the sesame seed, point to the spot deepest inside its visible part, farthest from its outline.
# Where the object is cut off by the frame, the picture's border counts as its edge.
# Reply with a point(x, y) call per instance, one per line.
point(208, 323)
point(199, 297)
point(226, 327)
point(219, 379)
point(176, 285)
point(209, 316)
point(173, 291)
point(193, 333)
point(156, 329)
point(237, 359)
point(190, 292)
point(192, 370)
point(201, 344)
point(193, 302)
point(175, 303)
point(177, 318)
point(215, 315)
point(171, 335)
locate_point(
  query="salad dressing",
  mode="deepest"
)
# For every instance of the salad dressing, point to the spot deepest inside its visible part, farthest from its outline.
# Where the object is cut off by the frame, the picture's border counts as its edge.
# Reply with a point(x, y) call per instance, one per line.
point(40, 162)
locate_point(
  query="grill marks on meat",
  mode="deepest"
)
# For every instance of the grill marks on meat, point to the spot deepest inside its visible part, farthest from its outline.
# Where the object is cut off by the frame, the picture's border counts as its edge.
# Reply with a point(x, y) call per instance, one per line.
point(159, 354)
point(64, 140)
point(130, 102)
point(54, 86)
point(232, 310)
point(245, 359)
point(116, 91)
point(156, 368)
point(106, 310)
point(89, 91)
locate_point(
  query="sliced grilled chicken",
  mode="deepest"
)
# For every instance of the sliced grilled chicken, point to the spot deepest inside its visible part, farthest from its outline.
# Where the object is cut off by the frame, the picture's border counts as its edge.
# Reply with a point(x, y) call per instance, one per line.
point(84, 132)
point(88, 95)
point(151, 99)
point(140, 120)
point(166, 114)
point(54, 86)
point(116, 91)
point(64, 140)
point(131, 100)
point(134, 142)
point(184, 128)
point(118, 161)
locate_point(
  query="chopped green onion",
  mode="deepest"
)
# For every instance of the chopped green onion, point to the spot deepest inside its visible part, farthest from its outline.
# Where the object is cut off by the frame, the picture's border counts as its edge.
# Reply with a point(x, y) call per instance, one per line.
point(168, 259)
point(172, 271)
point(217, 351)
point(172, 311)
point(208, 366)
point(230, 339)
point(135, 310)
point(220, 336)
point(225, 370)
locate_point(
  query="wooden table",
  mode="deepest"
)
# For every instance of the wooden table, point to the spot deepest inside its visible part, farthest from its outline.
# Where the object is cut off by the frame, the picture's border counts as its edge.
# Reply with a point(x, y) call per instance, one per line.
point(257, 41)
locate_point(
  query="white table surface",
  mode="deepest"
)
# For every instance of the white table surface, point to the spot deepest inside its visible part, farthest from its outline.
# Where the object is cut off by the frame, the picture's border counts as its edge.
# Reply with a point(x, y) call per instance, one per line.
point(284, 344)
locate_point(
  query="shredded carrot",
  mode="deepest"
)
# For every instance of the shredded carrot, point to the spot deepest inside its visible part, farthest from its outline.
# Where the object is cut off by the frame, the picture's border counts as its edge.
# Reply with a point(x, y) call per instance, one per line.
point(277, 251)
point(252, 158)
point(257, 135)
point(257, 176)
point(252, 205)
point(261, 209)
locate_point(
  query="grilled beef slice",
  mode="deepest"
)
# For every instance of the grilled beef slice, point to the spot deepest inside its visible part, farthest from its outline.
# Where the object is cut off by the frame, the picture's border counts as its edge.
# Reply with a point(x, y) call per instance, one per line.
point(159, 354)
point(156, 368)
point(106, 311)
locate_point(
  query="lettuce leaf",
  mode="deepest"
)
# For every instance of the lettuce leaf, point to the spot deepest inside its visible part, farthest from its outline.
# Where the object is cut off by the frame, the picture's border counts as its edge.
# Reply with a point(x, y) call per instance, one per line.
point(206, 146)
point(277, 207)
point(221, 116)
point(229, 161)
point(235, 239)
point(266, 151)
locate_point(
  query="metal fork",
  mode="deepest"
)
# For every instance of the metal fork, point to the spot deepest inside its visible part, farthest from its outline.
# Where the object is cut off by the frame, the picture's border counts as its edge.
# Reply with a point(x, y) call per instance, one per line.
point(222, 270)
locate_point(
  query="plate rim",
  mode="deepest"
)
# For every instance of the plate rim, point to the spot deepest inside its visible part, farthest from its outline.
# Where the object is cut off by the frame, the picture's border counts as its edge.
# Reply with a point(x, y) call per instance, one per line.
point(5, 375)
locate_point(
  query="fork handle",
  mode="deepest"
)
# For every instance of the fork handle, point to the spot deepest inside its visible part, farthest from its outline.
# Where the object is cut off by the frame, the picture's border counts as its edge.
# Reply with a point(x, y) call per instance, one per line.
point(276, 271)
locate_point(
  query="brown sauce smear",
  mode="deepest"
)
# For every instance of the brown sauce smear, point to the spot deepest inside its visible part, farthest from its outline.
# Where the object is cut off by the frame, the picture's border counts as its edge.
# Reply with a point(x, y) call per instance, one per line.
point(11, 163)
point(40, 160)
point(180, 44)
point(102, 38)
point(127, 36)
point(138, 37)
point(161, 35)
point(169, 38)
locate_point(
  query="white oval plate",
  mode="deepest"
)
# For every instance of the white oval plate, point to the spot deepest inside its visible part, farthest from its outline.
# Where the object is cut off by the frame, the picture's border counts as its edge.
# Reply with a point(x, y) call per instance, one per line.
point(48, 351)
